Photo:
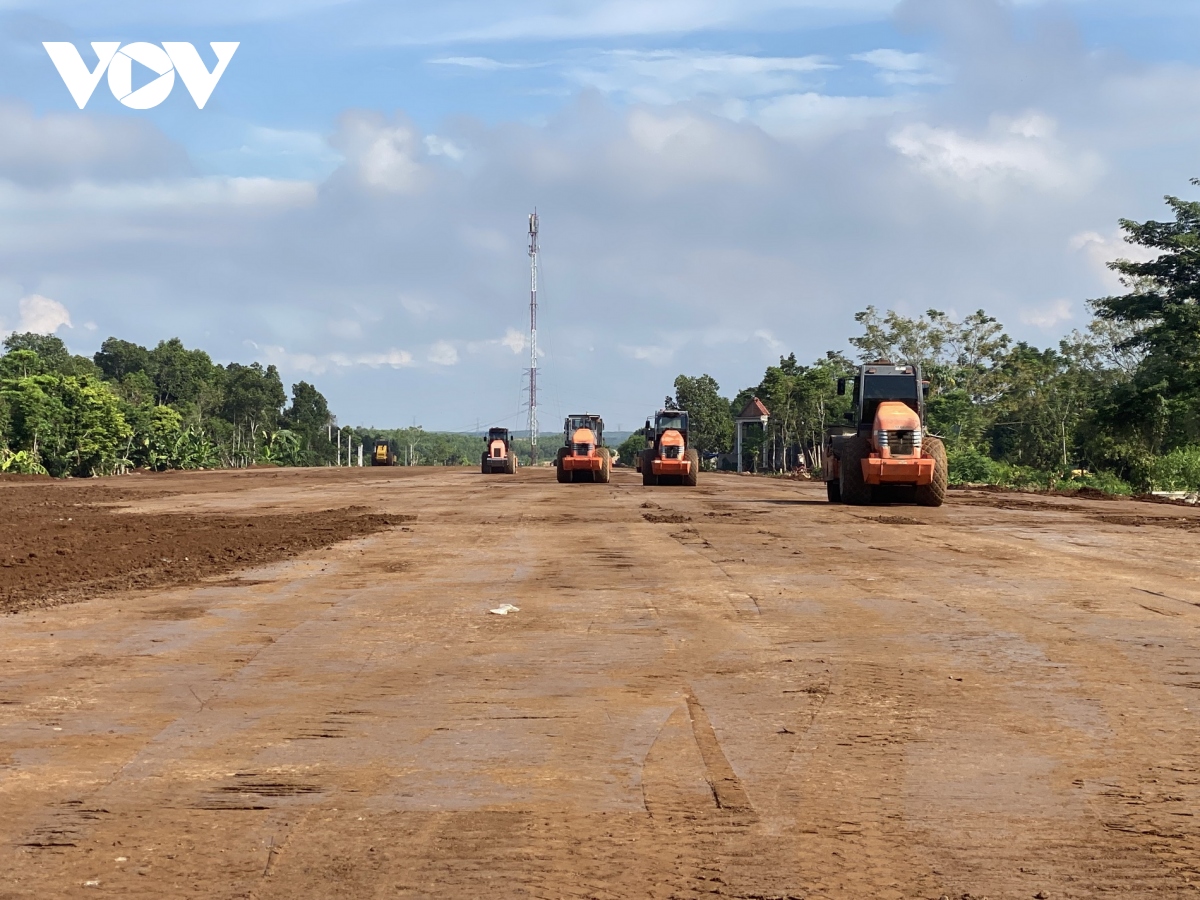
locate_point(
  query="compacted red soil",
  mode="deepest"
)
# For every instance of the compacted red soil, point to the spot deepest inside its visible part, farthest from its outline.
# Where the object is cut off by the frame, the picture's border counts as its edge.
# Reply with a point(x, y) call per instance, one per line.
point(735, 690)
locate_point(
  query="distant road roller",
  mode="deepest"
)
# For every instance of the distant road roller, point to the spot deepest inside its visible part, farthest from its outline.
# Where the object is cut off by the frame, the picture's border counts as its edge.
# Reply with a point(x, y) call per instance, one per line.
point(583, 456)
point(498, 455)
point(383, 454)
point(884, 446)
point(669, 459)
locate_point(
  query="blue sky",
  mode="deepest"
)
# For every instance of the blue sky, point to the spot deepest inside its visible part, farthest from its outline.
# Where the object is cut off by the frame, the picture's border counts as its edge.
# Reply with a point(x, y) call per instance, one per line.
point(719, 182)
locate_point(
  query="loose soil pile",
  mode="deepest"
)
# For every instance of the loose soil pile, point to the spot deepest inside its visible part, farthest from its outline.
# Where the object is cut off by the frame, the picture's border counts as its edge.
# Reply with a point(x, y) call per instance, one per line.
point(56, 549)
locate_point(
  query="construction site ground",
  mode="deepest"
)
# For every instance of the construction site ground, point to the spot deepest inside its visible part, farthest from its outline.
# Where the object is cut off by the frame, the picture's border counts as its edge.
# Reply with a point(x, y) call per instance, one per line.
point(288, 684)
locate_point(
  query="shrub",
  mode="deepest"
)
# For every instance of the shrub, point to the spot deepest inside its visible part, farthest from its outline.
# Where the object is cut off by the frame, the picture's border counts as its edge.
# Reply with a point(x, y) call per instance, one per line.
point(23, 462)
point(1107, 482)
point(1179, 470)
point(969, 465)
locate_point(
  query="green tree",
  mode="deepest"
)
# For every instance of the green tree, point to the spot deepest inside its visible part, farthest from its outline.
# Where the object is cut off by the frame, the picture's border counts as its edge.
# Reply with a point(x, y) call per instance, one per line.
point(50, 349)
point(53, 353)
point(70, 424)
point(118, 359)
point(710, 422)
point(253, 397)
point(181, 375)
point(169, 407)
point(308, 417)
point(963, 361)
point(802, 400)
point(631, 447)
point(280, 448)
point(159, 433)
point(21, 364)
point(1158, 408)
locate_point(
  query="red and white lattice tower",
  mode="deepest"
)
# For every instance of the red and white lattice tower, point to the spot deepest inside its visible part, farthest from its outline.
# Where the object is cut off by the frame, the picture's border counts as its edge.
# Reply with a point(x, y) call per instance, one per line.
point(533, 352)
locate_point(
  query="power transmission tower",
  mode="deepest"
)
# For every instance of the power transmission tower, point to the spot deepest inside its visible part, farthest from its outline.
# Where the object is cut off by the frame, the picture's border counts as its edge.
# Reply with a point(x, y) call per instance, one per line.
point(533, 273)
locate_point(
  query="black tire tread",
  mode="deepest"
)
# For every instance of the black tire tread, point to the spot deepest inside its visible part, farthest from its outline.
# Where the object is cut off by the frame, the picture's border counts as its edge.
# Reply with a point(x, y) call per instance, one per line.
point(854, 488)
point(648, 477)
point(689, 480)
point(934, 494)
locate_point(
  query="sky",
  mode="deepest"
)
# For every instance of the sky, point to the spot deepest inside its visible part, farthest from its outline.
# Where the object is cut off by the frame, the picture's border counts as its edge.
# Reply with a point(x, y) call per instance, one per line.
point(718, 182)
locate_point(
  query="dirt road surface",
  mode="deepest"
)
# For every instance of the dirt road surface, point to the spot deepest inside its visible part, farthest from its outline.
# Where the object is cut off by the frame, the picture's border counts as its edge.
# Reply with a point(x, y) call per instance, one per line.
point(733, 691)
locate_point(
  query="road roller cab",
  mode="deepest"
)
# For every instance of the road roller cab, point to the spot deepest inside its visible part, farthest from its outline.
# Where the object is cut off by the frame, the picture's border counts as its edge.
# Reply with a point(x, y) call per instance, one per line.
point(583, 456)
point(884, 444)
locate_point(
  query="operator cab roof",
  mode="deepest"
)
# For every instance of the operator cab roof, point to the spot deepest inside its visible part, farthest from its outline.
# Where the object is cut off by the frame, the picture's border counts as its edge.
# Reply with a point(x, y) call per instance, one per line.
point(886, 368)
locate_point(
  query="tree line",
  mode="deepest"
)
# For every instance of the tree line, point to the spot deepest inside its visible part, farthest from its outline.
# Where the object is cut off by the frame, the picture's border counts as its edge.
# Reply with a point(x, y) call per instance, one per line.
point(1114, 406)
point(162, 408)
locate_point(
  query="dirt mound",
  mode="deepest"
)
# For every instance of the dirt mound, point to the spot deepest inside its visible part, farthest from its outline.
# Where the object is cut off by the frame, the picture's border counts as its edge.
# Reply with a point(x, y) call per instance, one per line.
point(54, 549)
point(668, 518)
point(1078, 493)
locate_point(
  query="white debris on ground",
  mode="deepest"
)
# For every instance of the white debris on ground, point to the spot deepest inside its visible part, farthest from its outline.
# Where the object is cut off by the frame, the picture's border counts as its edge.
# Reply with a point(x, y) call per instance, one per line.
point(1185, 496)
point(504, 609)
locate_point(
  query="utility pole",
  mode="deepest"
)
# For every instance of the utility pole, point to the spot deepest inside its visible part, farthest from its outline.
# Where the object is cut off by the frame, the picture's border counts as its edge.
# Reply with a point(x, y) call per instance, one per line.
point(533, 273)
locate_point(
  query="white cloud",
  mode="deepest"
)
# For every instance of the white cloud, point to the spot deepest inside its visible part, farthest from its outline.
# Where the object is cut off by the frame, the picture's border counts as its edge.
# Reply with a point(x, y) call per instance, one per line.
point(319, 364)
point(514, 340)
point(773, 344)
point(397, 359)
point(177, 195)
point(382, 154)
point(1048, 316)
point(482, 63)
point(1100, 250)
point(658, 355)
point(281, 153)
point(669, 148)
point(810, 115)
point(442, 353)
point(56, 148)
point(437, 146)
point(1023, 150)
point(42, 315)
point(896, 67)
point(672, 76)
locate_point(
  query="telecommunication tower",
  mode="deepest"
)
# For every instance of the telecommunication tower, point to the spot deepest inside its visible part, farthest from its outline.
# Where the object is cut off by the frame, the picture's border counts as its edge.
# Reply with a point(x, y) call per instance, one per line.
point(533, 275)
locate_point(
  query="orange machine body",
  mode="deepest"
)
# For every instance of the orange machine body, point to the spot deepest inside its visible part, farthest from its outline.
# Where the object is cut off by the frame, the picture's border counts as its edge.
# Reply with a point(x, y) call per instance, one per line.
point(895, 456)
point(497, 450)
point(583, 455)
point(670, 459)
